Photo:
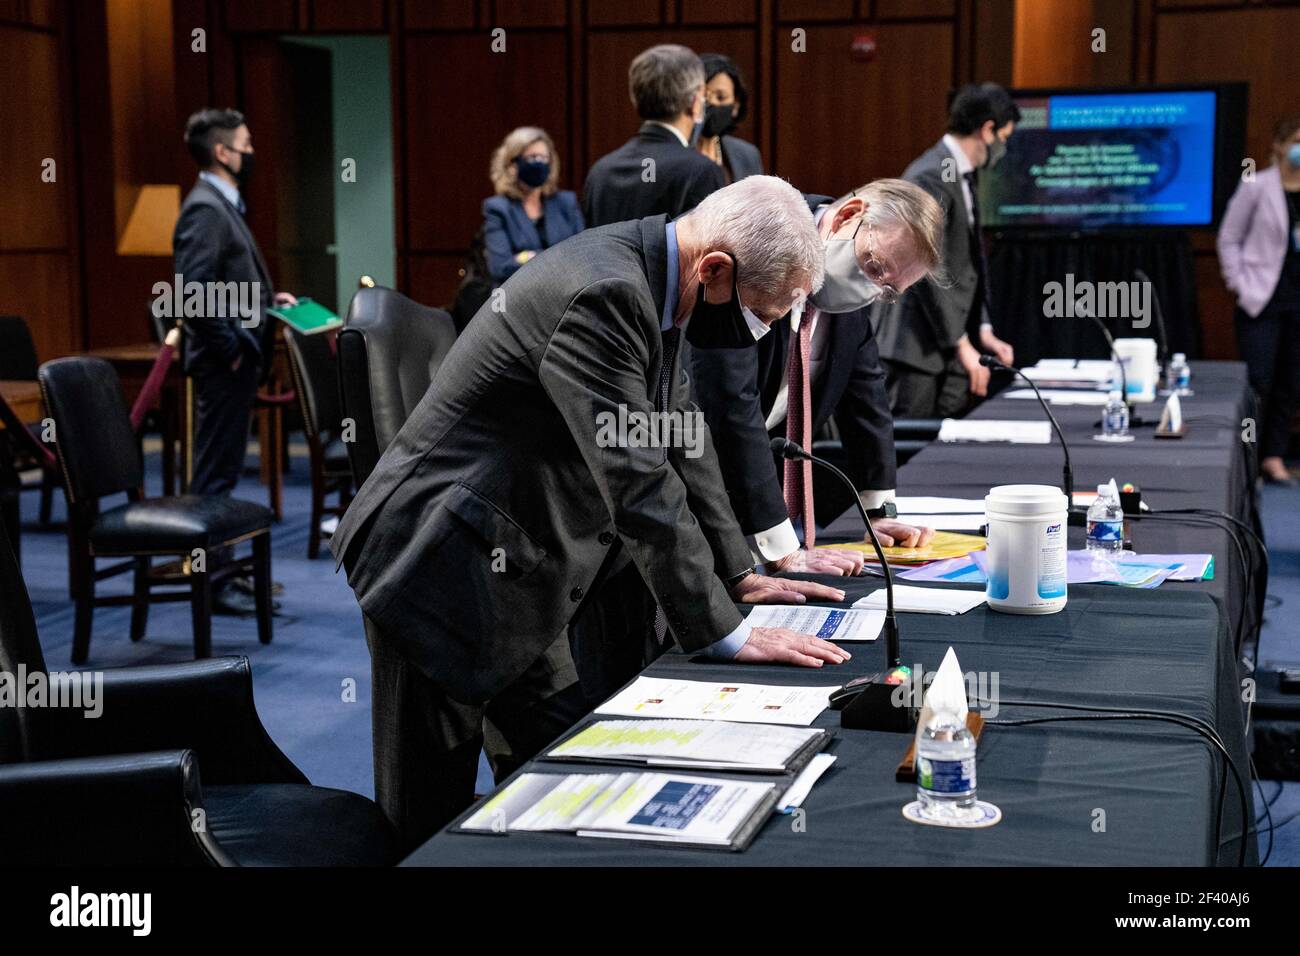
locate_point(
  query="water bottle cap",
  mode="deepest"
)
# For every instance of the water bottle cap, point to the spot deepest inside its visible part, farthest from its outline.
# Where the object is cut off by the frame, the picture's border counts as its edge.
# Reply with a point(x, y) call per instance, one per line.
point(1115, 394)
point(1180, 357)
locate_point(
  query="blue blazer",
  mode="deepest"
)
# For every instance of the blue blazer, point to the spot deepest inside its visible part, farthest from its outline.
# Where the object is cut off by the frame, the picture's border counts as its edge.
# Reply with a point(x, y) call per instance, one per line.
point(507, 230)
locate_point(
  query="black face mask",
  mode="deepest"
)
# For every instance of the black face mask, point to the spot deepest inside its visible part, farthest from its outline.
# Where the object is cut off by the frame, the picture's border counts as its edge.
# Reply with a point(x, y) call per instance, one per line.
point(245, 170)
point(532, 172)
point(720, 325)
point(718, 120)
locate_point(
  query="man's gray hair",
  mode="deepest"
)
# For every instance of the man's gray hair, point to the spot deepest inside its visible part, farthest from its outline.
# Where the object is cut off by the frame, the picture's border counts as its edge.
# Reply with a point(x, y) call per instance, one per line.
point(764, 222)
point(896, 203)
point(663, 80)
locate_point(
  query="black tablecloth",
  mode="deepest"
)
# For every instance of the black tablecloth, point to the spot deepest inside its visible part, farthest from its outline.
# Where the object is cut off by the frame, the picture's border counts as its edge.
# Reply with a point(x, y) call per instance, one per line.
point(1154, 786)
point(1209, 468)
point(1086, 793)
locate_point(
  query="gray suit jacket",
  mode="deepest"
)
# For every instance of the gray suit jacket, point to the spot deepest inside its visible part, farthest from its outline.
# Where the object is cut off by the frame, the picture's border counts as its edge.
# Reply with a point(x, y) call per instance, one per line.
point(922, 328)
point(490, 514)
point(212, 243)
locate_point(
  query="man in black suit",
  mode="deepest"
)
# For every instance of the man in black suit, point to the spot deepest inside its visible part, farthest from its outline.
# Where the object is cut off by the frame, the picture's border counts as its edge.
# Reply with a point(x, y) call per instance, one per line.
point(926, 337)
point(821, 364)
point(656, 172)
point(499, 503)
point(227, 349)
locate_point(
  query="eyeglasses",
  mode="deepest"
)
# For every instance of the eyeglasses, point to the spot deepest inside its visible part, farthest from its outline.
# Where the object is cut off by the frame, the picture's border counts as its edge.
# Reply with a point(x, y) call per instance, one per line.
point(873, 268)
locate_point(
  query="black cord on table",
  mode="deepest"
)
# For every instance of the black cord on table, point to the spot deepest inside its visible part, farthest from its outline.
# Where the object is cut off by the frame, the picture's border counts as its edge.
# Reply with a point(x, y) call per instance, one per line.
point(1195, 724)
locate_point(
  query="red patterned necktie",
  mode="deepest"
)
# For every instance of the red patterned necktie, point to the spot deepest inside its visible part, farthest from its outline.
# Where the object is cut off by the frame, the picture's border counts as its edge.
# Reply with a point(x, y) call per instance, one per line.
point(798, 429)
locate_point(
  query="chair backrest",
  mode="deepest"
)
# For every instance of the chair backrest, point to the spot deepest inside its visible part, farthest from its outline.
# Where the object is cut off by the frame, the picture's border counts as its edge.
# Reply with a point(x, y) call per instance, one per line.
point(316, 378)
point(19, 647)
point(389, 351)
point(92, 428)
point(17, 350)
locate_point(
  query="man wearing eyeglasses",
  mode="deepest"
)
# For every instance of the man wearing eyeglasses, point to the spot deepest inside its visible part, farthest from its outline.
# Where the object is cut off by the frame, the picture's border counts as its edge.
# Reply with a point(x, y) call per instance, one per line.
point(820, 363)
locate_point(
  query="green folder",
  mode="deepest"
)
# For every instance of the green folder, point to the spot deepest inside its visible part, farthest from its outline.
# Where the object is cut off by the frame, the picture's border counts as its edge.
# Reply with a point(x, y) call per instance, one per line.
point(308, 317)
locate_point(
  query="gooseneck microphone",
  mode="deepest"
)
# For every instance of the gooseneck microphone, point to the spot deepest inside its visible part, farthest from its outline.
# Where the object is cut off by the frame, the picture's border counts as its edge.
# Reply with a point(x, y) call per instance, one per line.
point(1067, 473)
point(866, 703)
point(1162, 340)
point(1134, 419)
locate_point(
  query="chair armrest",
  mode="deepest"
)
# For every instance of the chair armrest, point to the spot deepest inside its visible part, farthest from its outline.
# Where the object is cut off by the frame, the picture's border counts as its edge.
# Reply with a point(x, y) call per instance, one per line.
point(205, 706)
point(130, 810)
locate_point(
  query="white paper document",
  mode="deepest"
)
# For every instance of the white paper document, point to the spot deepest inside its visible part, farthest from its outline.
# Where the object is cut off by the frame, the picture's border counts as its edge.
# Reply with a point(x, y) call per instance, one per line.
point(925, 600)
point(707, 700)
point(974, 429)
point(803, 784)
point(651, 806)
point(830, 624)
point(933, 505)
point(1063, 396)
point(691, 744)
point(945, 522)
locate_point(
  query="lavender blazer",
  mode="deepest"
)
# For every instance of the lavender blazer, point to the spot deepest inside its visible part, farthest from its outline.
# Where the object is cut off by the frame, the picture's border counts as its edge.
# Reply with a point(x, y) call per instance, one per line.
point(1253, 240)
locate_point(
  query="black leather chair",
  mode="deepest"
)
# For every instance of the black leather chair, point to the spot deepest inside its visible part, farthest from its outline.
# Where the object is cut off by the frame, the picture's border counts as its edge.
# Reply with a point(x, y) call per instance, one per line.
point(316, 380)
point(100, 456)
point(389, 351)
point(18, 364)
point(124, 789)
point(913, 434)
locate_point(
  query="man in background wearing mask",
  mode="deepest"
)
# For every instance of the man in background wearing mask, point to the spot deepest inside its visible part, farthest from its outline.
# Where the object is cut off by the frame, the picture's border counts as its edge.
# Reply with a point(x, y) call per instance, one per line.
point(225, 354)
point(503, 501)
point(820, 364)
point(926, 337)
point(657, 171)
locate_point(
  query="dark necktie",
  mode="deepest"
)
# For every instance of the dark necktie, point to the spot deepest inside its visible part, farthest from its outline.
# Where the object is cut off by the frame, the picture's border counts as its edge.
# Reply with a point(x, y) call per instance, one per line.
point(798, 428)
point(670, 339)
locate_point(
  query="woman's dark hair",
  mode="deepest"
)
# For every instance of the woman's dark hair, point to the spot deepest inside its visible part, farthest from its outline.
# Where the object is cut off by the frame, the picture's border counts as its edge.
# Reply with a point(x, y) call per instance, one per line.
point(207, 127)
point(715, 63)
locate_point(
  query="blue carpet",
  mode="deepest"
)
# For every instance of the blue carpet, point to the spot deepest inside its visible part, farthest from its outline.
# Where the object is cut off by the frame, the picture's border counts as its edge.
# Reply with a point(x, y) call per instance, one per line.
point(302, 680)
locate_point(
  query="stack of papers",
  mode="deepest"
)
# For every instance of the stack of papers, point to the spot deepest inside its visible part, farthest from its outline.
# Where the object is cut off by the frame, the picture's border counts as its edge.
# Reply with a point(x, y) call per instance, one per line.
point(670, 808)
point(1096, 373)
point(694, 745)
point(704, 700)
point(830, 624)
point(984, 430)
point(803, 784)
point(941, 514)
point(925, 600)
point(1062, 396)
point(943, 545)
point(960, 570)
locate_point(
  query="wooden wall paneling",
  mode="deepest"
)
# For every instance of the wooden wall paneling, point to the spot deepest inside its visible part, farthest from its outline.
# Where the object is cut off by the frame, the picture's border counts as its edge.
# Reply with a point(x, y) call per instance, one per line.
point(625, 13)
point(796, 11)
point(34, 212)
point(529, 13)
point(262, 16)
point(439, 14)
point(42, 288)
point(914, 9)
point(718, 11)
point(432, 278)
point(462, 99)
point(842, 122)
point(349, 16)
point(11, 11)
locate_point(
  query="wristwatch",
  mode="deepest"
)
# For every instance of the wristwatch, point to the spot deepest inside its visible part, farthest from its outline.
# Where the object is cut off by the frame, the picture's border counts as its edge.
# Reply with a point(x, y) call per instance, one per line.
point(735, 579)
point(888, 510)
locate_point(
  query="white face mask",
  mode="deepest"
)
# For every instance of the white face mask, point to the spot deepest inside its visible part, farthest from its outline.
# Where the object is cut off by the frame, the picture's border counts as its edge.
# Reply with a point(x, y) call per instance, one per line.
point(846, 287)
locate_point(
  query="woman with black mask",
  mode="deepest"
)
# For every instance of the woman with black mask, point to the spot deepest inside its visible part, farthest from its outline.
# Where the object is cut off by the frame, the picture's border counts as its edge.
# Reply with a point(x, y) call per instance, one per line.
point(726, 100)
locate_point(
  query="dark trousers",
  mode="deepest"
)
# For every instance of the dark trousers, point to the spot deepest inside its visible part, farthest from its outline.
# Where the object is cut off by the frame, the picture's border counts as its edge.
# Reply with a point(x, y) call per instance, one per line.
point(427, 745)
point(917, 394)
point(612, 635)
point(1270, 345)
point(223, 402)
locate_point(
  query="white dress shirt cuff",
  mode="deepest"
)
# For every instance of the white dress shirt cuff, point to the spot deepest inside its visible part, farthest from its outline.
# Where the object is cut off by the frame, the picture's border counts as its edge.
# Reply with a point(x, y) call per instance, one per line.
point(730, 646)
point(773, 543)
point(875, 499)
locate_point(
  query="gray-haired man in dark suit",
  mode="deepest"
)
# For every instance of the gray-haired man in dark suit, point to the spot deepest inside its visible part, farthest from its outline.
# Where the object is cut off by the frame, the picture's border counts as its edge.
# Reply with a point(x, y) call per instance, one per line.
point(500, 503)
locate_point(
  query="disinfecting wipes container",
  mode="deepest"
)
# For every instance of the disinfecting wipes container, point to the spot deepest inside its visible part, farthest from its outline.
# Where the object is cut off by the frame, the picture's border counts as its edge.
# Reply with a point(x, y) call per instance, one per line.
point(1140, 367)
point(1026, 549)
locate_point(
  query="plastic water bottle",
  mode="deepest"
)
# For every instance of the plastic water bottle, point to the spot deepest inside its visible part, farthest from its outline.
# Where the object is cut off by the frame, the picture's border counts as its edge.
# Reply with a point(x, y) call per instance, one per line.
point(1105, 522)
point(945, 764)
point(1114, 418)
point(1180, 375)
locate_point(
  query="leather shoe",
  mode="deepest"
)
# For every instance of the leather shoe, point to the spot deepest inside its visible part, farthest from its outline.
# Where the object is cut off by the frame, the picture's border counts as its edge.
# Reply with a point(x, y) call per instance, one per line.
point(235, 602)
point(247, 587)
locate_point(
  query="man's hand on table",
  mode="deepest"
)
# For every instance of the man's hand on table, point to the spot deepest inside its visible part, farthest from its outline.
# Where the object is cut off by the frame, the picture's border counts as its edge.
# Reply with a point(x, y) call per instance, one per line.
point(760, 589)
point(823, 561)
point(780, 645)
point(892, 532)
